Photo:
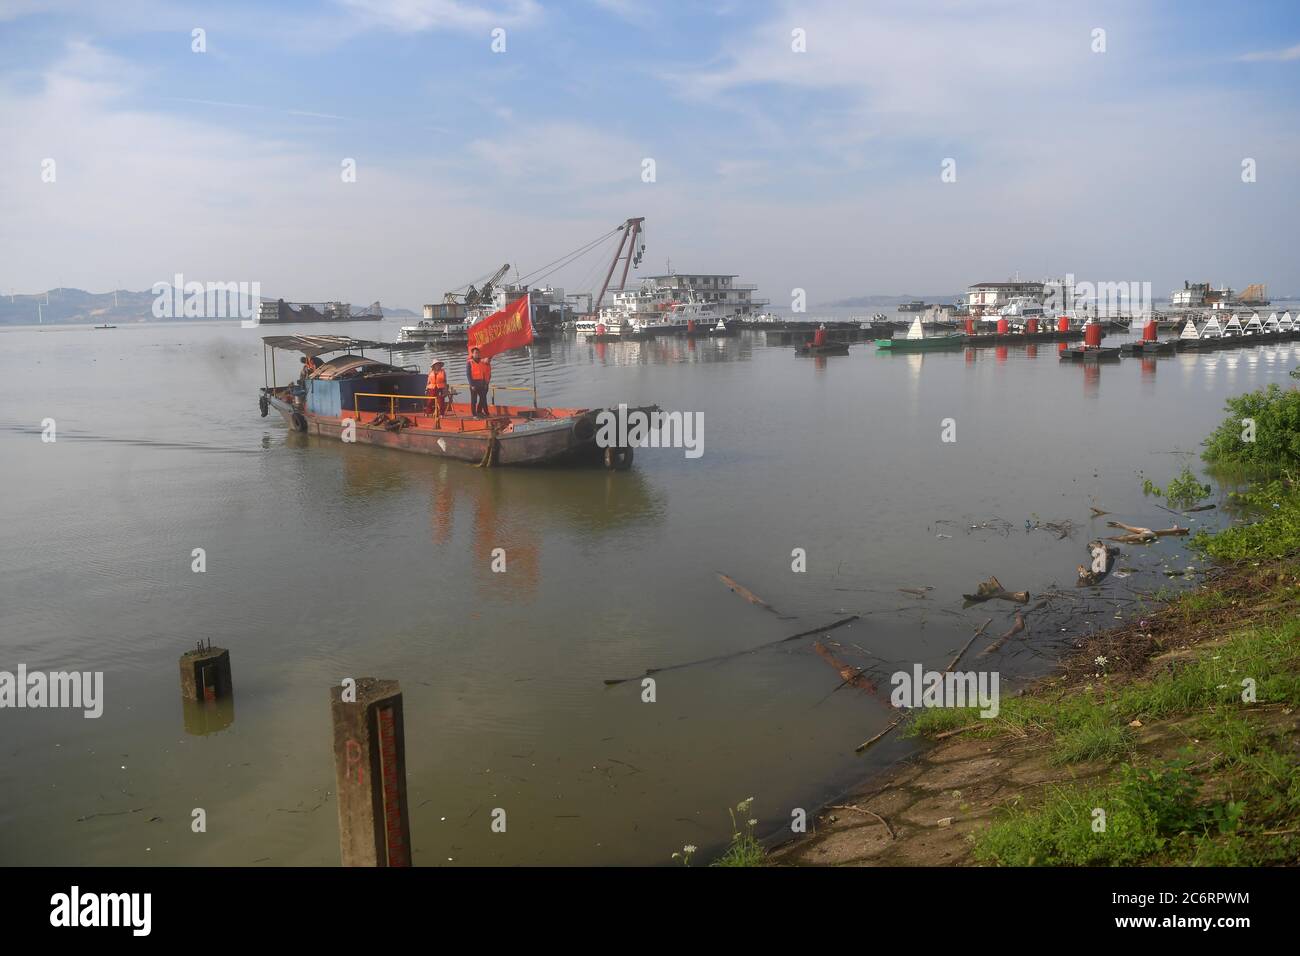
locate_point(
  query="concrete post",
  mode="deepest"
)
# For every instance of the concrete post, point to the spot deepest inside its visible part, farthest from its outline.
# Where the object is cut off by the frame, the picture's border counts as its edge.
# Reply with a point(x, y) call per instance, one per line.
point(370, 774)
point(205, 673)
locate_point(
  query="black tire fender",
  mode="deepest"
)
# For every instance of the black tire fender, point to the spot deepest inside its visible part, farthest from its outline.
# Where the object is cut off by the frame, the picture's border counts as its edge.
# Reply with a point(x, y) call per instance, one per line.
point(618, 459)
point(264, 405)
point(584, 430)
point(298, 422)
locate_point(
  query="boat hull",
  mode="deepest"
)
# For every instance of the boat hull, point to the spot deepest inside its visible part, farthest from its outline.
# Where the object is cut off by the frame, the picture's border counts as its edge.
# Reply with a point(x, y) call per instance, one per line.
point(830, 348)
point(921, 345)
point(568, 439)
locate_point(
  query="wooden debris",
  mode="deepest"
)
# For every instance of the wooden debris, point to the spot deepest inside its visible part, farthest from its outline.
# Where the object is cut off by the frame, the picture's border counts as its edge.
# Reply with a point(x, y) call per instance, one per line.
point(865, 744)
point(848, 806)
point(850, 675)
point(746, 593)
point(993, 589)
point(1139, 535)
point(1015, 629)
point(953, 663)
point(1103, 557)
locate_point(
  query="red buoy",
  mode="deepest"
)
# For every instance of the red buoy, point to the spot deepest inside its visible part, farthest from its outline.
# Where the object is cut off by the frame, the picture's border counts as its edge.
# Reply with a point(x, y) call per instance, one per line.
point(1063, 324)
point(1092, 335)
point(1002, 326)
point(600, 328)
point(1149, 331)
point(970, 326)
point(1032, 326)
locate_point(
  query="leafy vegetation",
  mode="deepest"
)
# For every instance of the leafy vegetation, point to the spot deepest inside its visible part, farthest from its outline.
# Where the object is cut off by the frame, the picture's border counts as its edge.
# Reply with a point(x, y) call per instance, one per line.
point(1183, 492)
point(1261, 432)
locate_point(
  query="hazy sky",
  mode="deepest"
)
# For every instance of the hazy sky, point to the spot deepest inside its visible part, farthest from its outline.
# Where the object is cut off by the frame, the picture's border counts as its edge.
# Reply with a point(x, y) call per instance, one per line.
point(817, 169)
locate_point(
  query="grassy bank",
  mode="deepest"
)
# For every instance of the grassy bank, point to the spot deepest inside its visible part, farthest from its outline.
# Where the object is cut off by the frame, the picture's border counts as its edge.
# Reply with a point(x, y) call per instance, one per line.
point(1216, 669)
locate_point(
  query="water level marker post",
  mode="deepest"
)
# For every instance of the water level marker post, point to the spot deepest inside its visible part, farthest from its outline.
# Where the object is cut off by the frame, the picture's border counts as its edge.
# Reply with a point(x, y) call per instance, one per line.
point(370, 773)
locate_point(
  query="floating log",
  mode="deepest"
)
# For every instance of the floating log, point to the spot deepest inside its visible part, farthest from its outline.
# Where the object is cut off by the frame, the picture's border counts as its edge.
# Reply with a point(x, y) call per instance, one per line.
point(746, 593)
point(1016, 628)
point(849, 675)
point(992, 588)
point(1103, 556)
point(1139, 535)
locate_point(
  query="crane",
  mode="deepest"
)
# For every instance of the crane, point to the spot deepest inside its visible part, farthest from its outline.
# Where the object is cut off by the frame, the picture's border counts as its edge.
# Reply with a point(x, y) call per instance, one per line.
point(473, 296)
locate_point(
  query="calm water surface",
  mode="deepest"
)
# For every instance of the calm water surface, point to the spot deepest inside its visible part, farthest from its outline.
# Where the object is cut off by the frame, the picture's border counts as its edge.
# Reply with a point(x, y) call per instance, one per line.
point(326, 561)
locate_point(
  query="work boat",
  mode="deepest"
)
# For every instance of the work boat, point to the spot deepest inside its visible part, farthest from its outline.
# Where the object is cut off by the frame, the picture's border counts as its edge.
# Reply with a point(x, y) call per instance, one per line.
point(917, 341)
point(353, 397)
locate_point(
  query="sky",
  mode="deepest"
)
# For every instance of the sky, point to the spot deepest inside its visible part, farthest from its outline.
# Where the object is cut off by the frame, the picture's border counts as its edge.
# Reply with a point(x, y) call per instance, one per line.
point(799, 145)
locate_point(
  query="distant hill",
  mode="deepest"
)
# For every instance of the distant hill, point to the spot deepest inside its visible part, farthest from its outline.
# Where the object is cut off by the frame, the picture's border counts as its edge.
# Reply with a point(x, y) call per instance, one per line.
point(862, 301)
point(77, 306)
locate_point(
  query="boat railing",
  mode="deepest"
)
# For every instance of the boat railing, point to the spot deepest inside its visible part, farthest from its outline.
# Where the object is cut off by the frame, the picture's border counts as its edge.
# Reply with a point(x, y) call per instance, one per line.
point(394, 398)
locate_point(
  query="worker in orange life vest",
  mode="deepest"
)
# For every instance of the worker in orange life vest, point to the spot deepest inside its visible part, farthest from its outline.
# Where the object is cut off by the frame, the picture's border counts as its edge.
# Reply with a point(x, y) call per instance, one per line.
point(479, 372)
point(437, 388)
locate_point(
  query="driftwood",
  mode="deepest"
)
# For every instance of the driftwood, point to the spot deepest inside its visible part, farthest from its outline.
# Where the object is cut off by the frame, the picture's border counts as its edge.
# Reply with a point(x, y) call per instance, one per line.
point(849, 675)
point(1016, 628)
point(1097, 512)
point(749, 650)
point(746, 593)
point(848, 806)
point(867, 743)
point(953, 663)
point(1103, 557)
point(1139, 535)
point(993, 589)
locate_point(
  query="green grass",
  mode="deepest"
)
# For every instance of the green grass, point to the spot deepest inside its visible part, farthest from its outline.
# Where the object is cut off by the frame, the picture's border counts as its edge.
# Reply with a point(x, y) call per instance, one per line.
point(1162, 813)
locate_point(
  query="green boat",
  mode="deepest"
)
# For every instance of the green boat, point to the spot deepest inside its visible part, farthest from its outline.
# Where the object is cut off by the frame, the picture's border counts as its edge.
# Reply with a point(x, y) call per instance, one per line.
point(917, 341)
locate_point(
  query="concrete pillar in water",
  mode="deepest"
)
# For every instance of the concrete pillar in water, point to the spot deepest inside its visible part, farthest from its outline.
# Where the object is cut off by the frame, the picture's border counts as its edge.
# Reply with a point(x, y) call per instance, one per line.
point(370, 773)
point(205, 673)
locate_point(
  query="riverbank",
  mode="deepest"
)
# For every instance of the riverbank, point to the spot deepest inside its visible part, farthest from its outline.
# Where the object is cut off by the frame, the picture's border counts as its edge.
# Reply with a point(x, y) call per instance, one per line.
point(1173, 739)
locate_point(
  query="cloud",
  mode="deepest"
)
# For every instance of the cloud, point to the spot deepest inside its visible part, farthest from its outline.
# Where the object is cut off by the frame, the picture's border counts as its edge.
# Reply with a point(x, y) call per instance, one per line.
point(417, 16)
point(1277, 56)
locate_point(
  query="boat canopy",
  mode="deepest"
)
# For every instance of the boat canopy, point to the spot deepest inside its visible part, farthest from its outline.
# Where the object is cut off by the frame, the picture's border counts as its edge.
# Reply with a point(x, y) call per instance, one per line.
point(1189, 330)
point(1233, 325)
point(1254, 324)
point(1212, 329)
point(314, 345)
point(917, 331)
point(1272, 324)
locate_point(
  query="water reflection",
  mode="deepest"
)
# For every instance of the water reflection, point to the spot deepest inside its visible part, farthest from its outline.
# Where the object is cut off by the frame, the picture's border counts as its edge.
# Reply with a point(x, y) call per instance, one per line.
point(203, 717)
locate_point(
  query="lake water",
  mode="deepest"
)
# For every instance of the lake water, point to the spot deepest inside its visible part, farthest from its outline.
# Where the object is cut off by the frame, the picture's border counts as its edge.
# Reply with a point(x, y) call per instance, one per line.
point(327, 560)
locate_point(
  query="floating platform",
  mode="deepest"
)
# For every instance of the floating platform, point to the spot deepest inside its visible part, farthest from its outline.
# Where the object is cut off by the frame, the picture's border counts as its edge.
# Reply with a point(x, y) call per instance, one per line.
point(1095, 353)
point(830, 348)
point(1148, 348)
point(1022, 338)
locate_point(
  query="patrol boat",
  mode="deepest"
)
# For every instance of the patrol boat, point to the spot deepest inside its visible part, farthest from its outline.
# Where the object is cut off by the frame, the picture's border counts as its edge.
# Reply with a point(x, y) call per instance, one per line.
point(356, 398)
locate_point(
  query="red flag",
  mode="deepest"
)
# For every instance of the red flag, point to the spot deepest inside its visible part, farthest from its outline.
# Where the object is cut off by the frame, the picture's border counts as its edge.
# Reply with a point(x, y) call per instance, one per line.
point(511, 328)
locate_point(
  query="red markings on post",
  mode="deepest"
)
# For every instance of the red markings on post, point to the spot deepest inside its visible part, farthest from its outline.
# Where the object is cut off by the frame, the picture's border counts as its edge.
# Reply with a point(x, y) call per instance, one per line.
point(352, 751)
point(398, 851)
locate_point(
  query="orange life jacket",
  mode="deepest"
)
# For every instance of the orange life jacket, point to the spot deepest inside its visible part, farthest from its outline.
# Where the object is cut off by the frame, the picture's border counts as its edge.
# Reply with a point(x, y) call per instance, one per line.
point(480, 371)
point(437, 378)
